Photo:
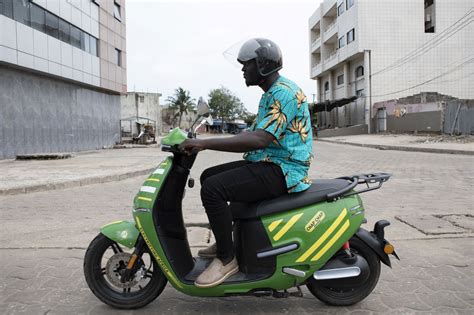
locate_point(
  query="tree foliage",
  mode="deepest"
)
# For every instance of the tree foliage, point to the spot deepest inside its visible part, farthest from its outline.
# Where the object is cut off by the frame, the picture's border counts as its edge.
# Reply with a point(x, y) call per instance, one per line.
point(225, 105)
point(181, 102)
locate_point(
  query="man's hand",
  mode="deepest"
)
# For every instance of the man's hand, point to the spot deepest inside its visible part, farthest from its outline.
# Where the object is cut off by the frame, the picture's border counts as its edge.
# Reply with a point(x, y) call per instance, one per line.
point(191, 146)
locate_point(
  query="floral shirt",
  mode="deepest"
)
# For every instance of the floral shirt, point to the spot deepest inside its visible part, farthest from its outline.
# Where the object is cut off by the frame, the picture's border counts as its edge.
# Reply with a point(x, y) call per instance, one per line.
point(283, 112)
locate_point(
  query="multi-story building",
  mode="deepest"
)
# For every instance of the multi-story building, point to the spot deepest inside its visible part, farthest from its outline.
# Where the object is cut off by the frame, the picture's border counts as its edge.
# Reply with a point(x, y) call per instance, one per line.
point(62, 71)
point(384, 49)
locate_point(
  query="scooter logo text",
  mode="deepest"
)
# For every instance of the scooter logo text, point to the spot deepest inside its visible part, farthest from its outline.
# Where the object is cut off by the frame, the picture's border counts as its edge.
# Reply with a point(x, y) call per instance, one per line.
point(314, 221)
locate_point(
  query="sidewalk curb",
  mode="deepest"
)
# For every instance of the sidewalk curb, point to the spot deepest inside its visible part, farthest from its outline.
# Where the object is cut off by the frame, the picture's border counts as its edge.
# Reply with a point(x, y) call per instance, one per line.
point(400, 148)
point(74, 183)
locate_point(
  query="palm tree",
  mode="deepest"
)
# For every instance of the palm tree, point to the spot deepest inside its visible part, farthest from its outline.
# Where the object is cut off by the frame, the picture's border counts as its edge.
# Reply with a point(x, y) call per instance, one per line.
point(181, 102)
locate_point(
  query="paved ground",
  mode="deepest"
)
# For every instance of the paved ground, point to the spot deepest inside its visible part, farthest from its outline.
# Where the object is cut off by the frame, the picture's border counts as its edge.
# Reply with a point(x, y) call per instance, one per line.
point(429, 201)
point(410, 142)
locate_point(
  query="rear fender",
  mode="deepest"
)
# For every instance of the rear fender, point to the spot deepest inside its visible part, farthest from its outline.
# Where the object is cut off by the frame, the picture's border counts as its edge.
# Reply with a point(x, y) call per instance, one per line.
point(122, 232)
point(377, 245)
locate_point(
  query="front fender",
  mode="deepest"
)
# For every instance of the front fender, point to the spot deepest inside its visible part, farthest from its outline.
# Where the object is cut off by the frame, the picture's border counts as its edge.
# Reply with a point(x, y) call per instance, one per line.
point(122, 232)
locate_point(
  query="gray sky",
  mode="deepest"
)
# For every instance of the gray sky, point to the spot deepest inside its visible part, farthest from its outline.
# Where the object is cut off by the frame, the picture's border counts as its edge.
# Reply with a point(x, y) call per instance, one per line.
point(173, 44)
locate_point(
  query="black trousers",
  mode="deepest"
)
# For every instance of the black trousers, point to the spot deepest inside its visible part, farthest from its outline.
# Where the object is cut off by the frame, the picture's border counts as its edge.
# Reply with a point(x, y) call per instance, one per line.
point(239, 181)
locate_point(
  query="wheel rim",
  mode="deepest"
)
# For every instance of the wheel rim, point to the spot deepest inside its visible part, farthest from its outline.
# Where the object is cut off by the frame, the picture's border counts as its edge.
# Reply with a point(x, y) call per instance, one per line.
point(110, 267)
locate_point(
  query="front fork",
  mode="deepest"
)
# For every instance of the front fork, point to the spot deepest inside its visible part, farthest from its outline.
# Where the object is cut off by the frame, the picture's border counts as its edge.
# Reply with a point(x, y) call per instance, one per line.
point(132, 265)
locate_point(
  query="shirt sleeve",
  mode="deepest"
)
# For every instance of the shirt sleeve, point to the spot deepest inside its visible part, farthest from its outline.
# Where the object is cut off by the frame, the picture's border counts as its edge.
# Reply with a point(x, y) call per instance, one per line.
point(281, 108)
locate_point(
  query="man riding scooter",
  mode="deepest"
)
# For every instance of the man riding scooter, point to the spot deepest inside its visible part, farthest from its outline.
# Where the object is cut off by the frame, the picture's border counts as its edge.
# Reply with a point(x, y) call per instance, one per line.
point(278, 154)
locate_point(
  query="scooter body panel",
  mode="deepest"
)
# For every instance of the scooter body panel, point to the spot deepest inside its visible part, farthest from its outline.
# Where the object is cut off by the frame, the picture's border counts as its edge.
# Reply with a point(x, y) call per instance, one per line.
point(320, 230)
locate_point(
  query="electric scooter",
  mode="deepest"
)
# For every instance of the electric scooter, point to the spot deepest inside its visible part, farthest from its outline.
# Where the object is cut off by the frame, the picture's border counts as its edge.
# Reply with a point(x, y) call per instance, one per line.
point(312, 238)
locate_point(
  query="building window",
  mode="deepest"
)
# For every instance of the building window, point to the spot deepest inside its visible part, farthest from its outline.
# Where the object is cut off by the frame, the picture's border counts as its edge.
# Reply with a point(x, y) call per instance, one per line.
point(141, 98)
point(430, 12)
point(342, 41)
point(21, 11)
point(6, 8)
point(326, 86)
point(359, 71)
point(349, 3)
point(37, 18)
point(340, 9)
point(64, 31)
point(118, 57)
point(93, 44)
point(28, 13)
point(117, 11)
point(75, 37)
point(350, 36)
point(52, 25)
point(340, 79)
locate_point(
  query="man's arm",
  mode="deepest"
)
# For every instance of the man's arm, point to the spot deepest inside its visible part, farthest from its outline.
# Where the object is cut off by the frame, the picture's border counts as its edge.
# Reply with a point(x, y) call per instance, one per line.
point(243, 142)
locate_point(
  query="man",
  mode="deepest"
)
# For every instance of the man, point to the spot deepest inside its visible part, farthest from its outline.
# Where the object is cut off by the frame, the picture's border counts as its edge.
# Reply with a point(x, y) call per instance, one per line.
point(278, 153)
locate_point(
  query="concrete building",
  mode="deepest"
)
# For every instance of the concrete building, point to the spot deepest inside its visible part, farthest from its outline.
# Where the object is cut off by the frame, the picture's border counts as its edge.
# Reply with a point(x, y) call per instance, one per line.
point(140, 109)
point(62, 70)
point(383, 50)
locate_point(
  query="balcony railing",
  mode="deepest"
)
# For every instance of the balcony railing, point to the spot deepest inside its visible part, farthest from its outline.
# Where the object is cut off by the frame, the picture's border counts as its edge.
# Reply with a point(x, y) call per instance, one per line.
point(315, 44)
point(330, 27)
point(315, 70)
point(331, 56)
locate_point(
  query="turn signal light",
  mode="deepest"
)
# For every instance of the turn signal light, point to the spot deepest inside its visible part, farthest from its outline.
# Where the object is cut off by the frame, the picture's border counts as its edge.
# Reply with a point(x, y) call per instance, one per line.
point(388, 249)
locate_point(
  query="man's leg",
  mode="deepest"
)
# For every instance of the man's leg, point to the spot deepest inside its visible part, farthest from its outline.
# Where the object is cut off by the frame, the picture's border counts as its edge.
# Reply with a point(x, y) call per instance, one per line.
point(210, 252)
point(251, 182)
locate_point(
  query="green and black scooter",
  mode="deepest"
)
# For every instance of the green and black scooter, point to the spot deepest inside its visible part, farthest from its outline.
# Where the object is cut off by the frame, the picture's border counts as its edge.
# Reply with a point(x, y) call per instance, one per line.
point(312, 238)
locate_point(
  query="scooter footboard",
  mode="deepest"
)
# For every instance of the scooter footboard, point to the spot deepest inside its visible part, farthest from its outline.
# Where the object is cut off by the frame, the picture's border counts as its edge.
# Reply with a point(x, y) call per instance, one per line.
point(122, 232)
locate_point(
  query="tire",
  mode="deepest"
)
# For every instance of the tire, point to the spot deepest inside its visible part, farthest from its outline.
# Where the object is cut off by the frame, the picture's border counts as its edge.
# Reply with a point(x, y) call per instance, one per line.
point(133, 295)
point(344, 296)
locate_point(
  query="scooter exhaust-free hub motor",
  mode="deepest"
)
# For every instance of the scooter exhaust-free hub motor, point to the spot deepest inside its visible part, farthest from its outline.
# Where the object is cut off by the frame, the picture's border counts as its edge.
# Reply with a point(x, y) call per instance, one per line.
point(311, 238)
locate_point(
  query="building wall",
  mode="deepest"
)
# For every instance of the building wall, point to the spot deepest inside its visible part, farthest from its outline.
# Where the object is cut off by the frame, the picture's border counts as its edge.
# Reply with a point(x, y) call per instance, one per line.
point(141, 104)
point(385, 32)
point(27, 47)
point(67, 118)
point(57, 94)
point(112, 37)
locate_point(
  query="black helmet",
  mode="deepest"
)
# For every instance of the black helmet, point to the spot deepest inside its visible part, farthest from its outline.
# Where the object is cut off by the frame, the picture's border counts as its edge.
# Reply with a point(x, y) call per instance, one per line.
point(265, 52)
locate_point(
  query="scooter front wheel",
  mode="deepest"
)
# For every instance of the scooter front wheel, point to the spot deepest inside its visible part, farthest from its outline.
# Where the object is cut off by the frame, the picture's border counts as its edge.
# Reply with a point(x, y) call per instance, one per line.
point(349, 295)
point(104, 264)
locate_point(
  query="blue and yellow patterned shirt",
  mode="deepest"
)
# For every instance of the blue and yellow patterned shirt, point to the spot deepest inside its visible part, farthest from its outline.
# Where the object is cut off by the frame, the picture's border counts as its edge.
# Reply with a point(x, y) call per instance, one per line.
point(283, 112)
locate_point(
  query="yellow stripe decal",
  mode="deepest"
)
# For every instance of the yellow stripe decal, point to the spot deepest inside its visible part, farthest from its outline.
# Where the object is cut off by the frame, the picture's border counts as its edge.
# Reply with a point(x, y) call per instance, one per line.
point(323, 251)
point(145, 199)
point(153, 180)
point(274, 225)
point(323, 238)
point(287, 226)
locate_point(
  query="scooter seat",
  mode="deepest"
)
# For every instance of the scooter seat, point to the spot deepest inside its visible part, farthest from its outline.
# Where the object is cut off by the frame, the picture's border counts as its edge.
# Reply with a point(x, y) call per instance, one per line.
point(314, 194)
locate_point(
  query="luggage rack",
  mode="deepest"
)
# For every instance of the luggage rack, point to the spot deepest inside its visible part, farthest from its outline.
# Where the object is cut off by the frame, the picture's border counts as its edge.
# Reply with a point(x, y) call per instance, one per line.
point(369, 179)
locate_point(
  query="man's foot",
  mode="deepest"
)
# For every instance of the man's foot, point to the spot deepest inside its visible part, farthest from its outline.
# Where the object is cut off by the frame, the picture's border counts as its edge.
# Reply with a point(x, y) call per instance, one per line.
point(209, 252)
point(216, 273)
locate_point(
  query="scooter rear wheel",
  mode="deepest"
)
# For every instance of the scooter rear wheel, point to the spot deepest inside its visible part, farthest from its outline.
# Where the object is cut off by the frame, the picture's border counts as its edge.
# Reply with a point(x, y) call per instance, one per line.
point(104, 264)
point(344, 296)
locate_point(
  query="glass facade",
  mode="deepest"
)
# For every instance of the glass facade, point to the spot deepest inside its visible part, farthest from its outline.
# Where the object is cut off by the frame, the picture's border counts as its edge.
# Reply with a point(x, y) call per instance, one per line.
point(6, 8)
point(38, 18)
point(52, 25)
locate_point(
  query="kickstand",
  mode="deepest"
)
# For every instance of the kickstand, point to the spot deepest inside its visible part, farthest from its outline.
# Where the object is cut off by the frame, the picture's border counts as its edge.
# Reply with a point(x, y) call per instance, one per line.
point(298, 293)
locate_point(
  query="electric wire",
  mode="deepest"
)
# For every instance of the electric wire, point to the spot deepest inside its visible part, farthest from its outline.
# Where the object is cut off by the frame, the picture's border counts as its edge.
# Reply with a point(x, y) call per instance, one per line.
point(425, 82)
